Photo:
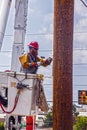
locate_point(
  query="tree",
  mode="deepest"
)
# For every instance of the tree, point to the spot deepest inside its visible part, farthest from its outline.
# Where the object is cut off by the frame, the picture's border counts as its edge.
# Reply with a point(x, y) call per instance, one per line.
point(48, 121)
point(81, 123)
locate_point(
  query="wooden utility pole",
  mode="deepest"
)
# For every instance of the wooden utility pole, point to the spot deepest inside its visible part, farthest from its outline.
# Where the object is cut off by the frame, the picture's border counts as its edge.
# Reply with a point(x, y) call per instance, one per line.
point(62, 64)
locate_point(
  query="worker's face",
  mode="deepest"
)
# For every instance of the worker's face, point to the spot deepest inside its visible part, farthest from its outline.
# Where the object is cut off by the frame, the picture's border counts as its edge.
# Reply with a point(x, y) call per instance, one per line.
point(34, 51)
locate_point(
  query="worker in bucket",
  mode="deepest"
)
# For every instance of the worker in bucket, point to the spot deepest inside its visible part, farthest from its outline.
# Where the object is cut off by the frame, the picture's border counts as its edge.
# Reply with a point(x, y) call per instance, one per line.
point(30, 61)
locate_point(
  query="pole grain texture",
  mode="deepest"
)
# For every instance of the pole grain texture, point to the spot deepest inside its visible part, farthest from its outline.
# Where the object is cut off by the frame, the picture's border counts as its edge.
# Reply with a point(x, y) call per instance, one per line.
point(62, 64)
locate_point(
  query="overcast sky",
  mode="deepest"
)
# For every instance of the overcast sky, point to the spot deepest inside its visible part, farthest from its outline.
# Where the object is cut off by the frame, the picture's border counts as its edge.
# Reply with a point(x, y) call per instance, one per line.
point(40, 28)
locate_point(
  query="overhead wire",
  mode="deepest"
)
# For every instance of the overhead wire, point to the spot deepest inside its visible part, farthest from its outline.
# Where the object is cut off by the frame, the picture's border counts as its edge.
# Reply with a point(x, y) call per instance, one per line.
point(8, 35)
point(84, 3)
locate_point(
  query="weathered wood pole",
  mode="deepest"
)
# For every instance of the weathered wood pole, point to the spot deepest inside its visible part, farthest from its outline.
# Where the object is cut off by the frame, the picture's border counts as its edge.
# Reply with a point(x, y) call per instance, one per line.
point(62, 64)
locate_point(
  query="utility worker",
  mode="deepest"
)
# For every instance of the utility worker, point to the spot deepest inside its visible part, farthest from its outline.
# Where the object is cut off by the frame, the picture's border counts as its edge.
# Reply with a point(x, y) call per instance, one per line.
point(31, 61)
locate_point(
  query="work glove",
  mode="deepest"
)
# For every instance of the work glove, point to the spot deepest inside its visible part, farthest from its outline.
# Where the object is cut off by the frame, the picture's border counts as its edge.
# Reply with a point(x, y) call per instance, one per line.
point(48, 61)
point(34, 64)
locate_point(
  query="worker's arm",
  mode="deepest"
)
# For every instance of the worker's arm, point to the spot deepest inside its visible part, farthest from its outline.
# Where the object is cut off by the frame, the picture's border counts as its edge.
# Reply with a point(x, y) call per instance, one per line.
point(45, 62)
point(26, 64)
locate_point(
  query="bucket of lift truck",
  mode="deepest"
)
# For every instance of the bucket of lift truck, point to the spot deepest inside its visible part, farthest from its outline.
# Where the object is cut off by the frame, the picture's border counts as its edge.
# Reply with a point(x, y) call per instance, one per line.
point(27, 88)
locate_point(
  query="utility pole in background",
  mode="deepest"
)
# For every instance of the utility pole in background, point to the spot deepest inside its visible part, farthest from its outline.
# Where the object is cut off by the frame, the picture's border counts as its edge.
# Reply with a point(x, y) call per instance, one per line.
point(62, 64)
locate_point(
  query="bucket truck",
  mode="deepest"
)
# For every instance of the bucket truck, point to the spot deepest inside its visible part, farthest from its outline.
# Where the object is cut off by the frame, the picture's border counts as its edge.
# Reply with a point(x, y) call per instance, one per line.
point(23, 91)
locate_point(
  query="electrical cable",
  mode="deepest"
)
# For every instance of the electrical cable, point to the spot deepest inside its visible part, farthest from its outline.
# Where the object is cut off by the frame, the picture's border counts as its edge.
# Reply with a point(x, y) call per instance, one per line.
point(15, 104)
point(84, 3)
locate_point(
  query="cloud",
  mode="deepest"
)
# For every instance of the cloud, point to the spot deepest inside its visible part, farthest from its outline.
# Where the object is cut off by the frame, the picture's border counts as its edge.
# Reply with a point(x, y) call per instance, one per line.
point(81, 25)
point(48, 17)
point(80, 39)
point(47, 27)
point(80, 15)
point(79, 8)
point(80, 32)
point(80, 56)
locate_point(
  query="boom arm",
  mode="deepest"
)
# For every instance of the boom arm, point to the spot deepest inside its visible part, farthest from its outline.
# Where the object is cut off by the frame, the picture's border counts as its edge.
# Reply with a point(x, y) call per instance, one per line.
point(4, 12)
point(21, 8)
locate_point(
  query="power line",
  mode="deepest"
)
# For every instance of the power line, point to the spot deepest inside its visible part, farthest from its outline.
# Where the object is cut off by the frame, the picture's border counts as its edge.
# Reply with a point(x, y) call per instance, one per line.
point(84, 3)
point(4, 65)
point(47, 50)
point(73, 101)
point(76, 64)
point(8, 35)
point(50, 50)
point(80, 32)
point(80, 64)
point(80, 49)
point(43, 34)
point(78, 85)
point(78, 75)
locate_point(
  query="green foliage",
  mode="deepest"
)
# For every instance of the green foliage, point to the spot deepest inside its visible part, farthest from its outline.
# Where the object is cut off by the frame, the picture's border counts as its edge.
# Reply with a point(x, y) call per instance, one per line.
point(48, 122)
point(1, 125)
point(81, 123)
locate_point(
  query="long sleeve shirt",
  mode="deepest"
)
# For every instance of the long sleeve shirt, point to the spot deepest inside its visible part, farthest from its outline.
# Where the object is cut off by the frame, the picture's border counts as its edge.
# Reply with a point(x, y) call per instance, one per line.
point(27, 60)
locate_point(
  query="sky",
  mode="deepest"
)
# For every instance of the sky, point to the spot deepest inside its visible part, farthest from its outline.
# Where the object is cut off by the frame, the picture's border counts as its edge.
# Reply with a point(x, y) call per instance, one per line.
point(79, 48)
point(40, 28)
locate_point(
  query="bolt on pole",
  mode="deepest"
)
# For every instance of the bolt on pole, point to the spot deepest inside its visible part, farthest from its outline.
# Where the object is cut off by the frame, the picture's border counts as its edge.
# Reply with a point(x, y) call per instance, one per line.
point(62, 64)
